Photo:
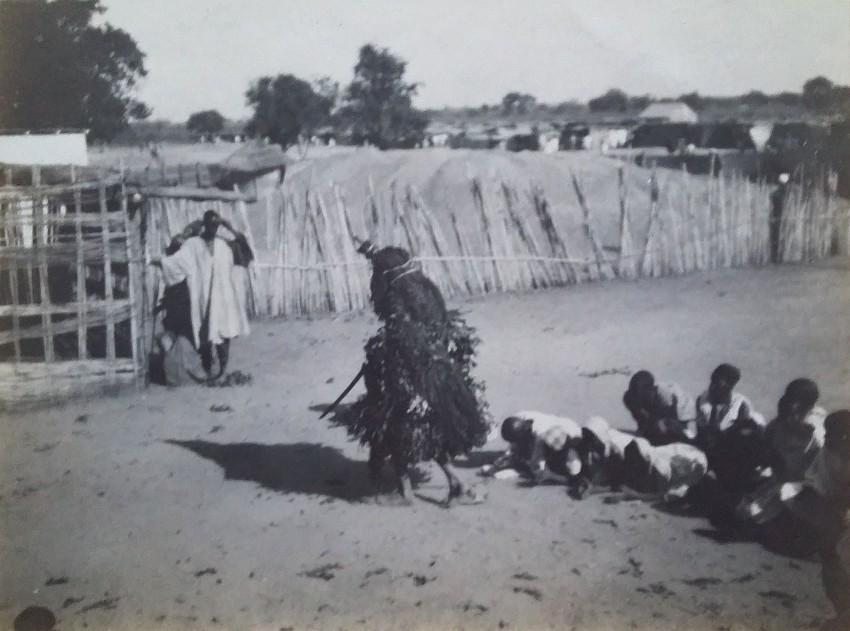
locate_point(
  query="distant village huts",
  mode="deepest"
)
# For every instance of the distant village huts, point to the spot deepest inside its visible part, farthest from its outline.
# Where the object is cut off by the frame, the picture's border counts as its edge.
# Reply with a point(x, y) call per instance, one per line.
point(437, 135)
point(326, 136)
point(574, 136)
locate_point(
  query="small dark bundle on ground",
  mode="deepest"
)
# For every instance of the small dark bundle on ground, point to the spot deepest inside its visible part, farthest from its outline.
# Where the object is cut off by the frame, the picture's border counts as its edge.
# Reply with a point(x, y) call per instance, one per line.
point(231, 379)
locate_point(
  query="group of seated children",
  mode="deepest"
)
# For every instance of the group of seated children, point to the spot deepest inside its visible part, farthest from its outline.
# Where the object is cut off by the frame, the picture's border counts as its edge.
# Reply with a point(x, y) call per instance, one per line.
point(716, 454)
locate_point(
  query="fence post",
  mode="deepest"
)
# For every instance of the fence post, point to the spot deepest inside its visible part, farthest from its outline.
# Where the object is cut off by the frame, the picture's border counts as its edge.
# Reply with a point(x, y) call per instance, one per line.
point(107, 280)
point(12, 211)
point(136, 307)
point(601, 263)
point(645, 268)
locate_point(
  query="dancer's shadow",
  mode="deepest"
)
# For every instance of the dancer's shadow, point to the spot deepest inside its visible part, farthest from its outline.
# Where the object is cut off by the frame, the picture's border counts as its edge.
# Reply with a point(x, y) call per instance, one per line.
point(306, 468)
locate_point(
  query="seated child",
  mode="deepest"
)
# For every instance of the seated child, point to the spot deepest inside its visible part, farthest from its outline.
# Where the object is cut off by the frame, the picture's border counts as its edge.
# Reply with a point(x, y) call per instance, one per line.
point(791, 442)
point(731, 434)
point(662, 411)
point(823, 501)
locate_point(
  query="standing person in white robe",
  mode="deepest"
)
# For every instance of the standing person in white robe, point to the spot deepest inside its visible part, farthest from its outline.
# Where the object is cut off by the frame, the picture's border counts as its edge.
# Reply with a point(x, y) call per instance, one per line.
point(205, 262)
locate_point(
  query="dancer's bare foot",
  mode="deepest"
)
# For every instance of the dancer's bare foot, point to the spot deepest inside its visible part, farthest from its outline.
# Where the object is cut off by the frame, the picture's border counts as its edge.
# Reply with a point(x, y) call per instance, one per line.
point(465, 496)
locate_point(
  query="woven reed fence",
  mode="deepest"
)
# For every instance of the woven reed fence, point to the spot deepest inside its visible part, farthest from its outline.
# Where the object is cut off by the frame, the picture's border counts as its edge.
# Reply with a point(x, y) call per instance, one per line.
point(516, 241)
point(70, 299)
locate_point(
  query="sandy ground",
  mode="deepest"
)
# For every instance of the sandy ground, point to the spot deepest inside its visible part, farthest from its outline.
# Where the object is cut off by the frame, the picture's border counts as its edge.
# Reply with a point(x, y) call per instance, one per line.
point(261, 517)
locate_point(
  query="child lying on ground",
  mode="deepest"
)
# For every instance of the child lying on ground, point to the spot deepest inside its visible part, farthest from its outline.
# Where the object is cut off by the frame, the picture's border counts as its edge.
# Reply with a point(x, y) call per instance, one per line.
point(524, 432)
point(600, 456)
point(609, 459)
point(666, 472)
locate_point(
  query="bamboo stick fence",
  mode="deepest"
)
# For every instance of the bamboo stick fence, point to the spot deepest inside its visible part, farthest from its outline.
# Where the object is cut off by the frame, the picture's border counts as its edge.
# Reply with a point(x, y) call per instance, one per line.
point(77, 292)
point(516, 241)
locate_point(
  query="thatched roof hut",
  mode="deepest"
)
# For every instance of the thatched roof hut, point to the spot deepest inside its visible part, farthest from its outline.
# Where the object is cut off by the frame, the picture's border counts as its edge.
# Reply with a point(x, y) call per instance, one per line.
point(249, 162)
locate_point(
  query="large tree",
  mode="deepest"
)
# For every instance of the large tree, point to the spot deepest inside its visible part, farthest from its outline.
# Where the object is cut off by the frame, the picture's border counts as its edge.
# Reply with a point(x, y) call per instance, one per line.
point(57, 69)
point(205, 122)
point(817, 93)
point(286, 109)
point(612, 101)
point(377, 105)
point(517, 103)
point(693, 100)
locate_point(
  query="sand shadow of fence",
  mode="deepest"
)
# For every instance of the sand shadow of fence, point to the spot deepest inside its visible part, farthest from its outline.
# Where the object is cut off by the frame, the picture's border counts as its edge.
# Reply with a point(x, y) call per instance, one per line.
point(304, 468)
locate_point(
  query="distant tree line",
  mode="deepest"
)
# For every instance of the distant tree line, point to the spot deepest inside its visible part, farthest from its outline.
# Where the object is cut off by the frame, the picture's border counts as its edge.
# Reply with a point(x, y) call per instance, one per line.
point(819, 95)
point(375, 108)
point(61, 69)
point(58, 70)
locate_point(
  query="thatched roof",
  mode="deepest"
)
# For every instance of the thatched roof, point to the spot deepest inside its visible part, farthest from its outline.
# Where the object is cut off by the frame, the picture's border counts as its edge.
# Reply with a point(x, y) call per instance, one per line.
point(250, 161)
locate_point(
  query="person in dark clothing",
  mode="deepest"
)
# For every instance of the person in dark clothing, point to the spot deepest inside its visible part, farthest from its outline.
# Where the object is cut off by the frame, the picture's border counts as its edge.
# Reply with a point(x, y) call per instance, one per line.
point(421, 401)
point(824, 503)
point(731, 433)
point(792, 441)
point(662, 411)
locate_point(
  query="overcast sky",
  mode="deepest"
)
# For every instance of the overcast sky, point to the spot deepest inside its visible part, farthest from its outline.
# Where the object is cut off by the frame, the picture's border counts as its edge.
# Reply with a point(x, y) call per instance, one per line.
point(203, 53)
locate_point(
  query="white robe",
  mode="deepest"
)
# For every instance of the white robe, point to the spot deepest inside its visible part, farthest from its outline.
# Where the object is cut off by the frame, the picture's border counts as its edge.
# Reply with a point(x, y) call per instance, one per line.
point(725, 415)
point(210, 278)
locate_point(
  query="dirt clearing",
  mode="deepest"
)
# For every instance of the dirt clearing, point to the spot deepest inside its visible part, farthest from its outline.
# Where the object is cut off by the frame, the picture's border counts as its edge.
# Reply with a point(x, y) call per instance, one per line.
point(236, 508)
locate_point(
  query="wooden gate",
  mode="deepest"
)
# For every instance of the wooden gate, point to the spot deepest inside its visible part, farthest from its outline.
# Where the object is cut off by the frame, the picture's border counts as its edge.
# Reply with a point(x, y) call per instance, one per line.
point(71, 285)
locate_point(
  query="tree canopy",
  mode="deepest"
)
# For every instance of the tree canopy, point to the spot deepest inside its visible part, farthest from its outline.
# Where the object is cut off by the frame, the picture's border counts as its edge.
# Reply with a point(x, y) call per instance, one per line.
point(205, 122)
point(693, 100)
point(59, 70)
point(377, 106)
point(517, 103)
point(612, 101)
point(286, 109)
point(818, 93)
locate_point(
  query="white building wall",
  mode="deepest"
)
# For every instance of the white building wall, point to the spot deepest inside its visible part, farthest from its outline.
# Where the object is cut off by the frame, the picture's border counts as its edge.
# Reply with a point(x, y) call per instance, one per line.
point(44, 149)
